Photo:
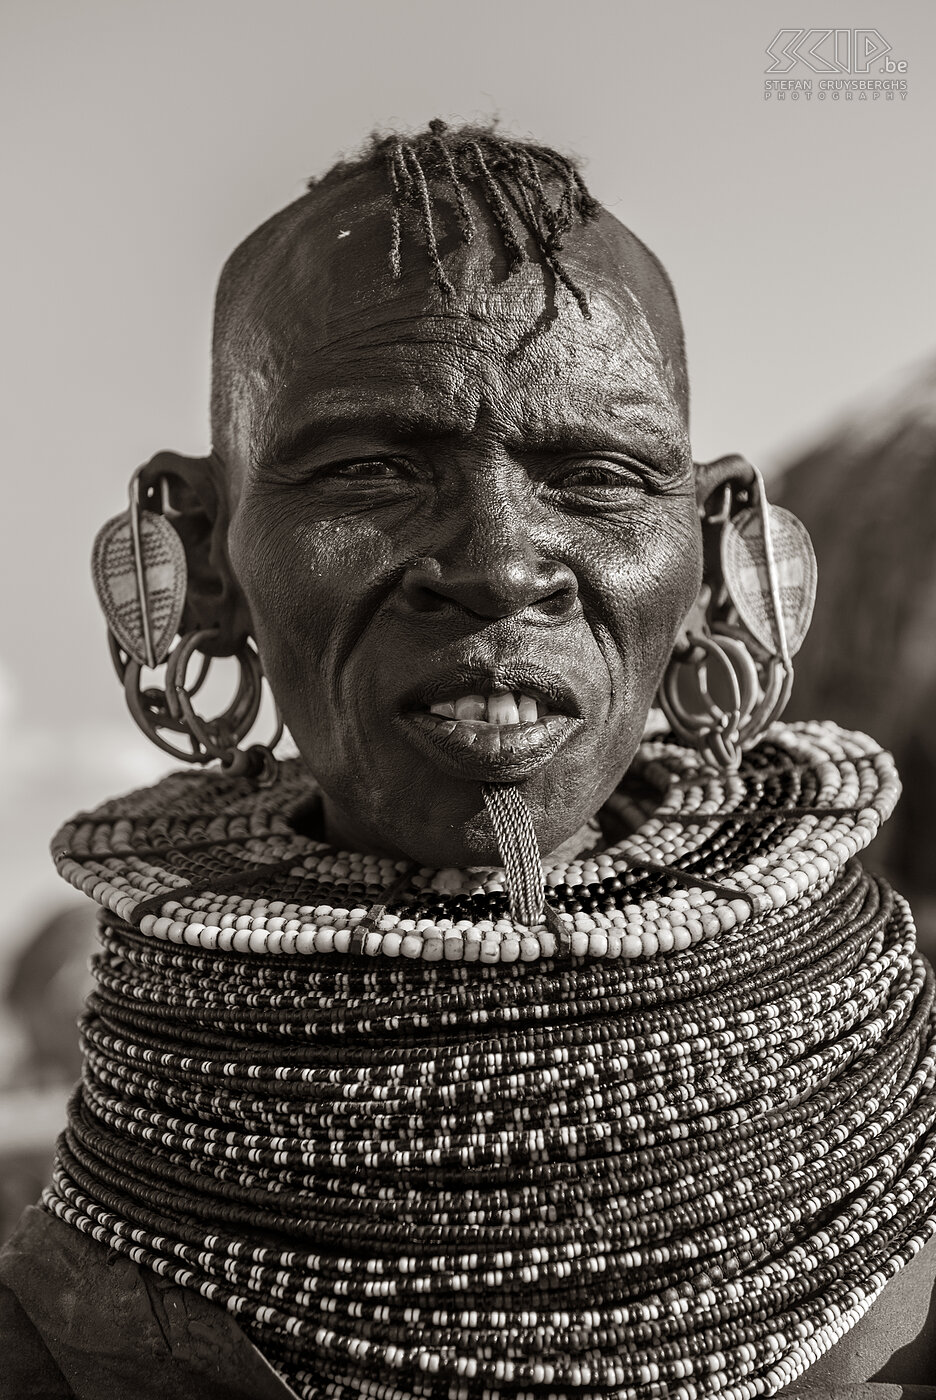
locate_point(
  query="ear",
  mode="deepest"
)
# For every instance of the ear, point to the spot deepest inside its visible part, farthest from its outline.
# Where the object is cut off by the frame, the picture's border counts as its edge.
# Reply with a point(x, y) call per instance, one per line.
point(192, 492)
point(710, 476)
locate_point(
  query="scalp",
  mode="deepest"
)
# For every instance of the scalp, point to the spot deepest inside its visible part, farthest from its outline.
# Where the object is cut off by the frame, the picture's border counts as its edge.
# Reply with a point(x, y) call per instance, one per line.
point(426, 219)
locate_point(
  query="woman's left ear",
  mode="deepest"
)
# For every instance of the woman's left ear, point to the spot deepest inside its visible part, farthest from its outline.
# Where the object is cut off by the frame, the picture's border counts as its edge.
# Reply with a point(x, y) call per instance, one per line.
point(732, 470)
point(731, 670)
point(192, 493)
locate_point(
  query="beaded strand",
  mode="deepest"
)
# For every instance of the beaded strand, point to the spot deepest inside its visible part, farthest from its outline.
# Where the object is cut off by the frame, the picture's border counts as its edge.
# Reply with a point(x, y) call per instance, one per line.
point(659, 1169)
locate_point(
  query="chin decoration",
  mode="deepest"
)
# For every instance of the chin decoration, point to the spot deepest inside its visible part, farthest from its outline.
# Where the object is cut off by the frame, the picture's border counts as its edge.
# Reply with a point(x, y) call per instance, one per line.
point(731, 673)
point(140, 577)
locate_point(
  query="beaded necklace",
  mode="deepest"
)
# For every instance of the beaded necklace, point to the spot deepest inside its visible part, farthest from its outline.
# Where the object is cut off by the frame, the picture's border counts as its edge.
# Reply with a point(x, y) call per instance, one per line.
point(671, 1143)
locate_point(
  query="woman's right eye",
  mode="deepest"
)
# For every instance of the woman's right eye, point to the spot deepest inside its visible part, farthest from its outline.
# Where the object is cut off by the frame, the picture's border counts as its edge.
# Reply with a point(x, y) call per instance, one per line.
point(378, 469)
point(370, 469)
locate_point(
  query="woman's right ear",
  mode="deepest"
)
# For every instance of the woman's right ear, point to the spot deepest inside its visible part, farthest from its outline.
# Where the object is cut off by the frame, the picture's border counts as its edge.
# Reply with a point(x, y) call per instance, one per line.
point(164, 581)
point(192, 494)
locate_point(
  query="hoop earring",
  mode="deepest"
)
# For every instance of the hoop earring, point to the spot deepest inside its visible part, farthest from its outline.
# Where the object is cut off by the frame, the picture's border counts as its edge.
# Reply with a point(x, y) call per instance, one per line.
point(140, 577)
point(731, 677)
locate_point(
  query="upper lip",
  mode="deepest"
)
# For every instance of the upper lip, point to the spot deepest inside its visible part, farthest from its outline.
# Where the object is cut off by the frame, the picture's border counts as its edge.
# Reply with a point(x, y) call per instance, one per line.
point(540, 685)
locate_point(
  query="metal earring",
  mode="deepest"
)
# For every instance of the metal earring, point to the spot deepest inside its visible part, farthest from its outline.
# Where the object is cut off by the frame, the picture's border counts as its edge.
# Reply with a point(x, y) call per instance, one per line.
point(140, 577)
point(731, 675)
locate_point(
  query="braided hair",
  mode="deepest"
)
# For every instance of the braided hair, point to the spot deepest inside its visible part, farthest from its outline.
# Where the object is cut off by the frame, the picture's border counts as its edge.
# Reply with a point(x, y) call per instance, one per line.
point(528, 189)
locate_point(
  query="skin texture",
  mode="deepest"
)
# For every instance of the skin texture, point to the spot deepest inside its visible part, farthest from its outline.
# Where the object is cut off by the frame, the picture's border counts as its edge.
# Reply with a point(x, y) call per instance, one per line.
point(421, 499)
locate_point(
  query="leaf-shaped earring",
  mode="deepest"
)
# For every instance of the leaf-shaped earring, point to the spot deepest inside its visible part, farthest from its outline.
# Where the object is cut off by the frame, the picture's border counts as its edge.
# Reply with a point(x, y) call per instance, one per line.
point(769, 570)
point(140, 577)
point(728, 683)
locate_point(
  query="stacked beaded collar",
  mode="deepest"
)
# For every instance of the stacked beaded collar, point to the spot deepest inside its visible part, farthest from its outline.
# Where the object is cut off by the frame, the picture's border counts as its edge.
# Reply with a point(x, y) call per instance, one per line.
point(674, 1143)
point(213, 863)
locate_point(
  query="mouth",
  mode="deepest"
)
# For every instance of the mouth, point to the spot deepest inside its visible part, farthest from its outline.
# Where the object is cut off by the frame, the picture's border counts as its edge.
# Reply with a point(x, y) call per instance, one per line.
point(496, 727)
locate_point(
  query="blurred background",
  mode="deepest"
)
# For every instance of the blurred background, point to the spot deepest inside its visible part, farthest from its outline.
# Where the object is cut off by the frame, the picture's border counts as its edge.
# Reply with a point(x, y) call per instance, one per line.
point(143, 141)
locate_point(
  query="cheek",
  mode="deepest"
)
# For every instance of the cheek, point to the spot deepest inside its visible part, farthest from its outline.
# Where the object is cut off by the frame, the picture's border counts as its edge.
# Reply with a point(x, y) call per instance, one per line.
point(646, 577)
point(277, 564)
point(311, 584)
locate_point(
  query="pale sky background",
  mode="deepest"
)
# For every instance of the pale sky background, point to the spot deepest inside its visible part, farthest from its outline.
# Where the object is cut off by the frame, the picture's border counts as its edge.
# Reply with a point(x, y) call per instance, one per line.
point(144, 140)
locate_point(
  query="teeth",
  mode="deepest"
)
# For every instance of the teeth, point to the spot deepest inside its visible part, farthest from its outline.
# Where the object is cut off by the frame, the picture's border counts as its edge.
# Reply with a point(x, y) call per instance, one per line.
point(527, 709)
point(502, 709)
point(471, 707)
point(505, 708)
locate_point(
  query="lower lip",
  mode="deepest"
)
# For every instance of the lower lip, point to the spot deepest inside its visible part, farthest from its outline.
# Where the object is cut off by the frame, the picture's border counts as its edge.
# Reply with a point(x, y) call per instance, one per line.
point(489, 752)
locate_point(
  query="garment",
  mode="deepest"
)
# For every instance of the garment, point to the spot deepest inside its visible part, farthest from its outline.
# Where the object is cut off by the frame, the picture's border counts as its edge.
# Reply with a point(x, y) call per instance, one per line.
point(78, 1320)
point(700, 1116)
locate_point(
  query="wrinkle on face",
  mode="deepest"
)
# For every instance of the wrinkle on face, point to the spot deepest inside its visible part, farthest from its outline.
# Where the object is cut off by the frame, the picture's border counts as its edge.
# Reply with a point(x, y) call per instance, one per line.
point(472, 377)
point(306, 293)
point(483, 415)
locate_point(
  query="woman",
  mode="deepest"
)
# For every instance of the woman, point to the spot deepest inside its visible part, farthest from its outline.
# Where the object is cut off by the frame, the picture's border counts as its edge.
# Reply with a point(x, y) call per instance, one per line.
point(509, 1054)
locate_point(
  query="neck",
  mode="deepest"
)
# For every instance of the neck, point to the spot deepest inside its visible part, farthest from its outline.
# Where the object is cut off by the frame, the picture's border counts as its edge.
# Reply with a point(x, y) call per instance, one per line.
point(328, 822)
point(347, 833)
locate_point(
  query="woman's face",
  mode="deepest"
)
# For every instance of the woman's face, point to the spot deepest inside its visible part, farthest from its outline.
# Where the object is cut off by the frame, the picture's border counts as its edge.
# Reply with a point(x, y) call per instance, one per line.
point(467, 535)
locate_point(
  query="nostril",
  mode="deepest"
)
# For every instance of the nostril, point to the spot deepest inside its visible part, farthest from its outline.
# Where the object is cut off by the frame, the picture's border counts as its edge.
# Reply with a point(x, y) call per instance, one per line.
point(423, 588)
point(560, 601)
point(425, 599)
point(497, 586)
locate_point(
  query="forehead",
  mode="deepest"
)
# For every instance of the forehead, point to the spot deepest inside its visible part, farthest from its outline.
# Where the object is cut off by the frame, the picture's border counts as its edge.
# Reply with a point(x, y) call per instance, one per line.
point(328, 333)
point(415, 371)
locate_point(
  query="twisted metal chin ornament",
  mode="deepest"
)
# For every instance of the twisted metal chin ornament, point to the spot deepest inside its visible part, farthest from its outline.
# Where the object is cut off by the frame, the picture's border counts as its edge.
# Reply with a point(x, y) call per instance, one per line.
point(731, 675)
point(140, 577)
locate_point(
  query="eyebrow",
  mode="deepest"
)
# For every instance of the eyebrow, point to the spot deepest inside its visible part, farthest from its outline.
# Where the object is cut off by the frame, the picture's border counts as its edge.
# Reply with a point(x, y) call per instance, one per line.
point(575, 437)
point(291, 444)
point(407, 424)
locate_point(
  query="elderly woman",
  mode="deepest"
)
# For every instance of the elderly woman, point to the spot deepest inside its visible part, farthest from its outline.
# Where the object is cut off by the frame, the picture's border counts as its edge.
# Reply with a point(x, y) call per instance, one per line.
point(489, 1048)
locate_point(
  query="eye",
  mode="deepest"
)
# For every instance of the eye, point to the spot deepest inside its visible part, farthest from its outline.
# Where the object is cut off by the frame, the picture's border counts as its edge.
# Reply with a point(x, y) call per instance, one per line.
point(370, 469)
point(597, 474)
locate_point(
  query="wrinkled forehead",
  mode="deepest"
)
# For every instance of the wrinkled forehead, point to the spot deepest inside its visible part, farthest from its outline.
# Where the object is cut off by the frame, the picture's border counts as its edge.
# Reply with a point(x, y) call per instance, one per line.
point(318, 278)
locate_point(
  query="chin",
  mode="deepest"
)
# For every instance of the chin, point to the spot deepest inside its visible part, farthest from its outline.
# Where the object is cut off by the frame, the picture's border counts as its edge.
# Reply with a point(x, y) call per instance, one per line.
point(448, 825)
point(459, 846)
point(417, 803)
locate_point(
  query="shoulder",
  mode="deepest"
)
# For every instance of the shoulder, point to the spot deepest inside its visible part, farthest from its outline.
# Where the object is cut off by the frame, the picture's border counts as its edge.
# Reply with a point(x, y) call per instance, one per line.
point(95, 1326)
point(29, 1370)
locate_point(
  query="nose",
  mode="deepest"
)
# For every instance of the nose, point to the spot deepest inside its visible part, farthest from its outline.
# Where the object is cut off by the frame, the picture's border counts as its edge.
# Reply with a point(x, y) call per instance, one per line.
point(489, 565)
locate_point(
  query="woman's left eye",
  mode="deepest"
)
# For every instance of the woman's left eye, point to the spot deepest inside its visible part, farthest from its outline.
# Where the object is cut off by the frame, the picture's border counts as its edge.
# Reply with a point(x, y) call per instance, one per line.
point(596, 472)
